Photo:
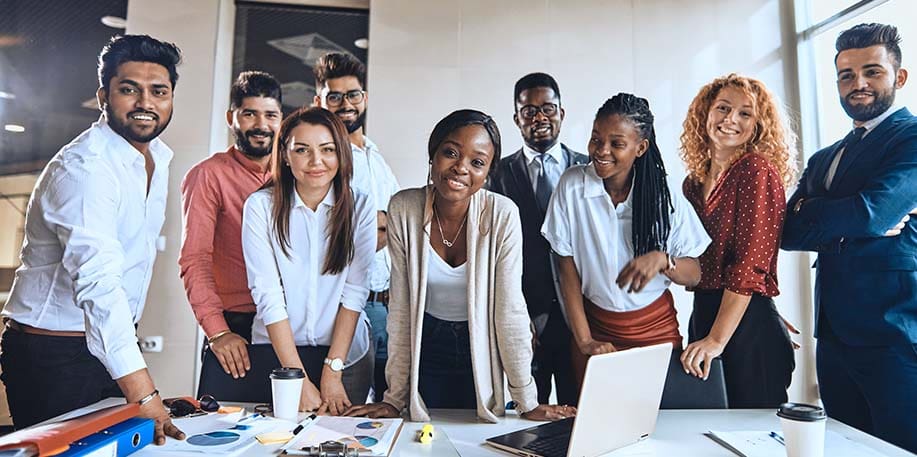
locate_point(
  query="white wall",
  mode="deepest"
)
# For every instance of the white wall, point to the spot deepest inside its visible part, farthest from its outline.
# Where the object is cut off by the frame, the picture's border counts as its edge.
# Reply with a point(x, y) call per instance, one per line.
point(429, 57)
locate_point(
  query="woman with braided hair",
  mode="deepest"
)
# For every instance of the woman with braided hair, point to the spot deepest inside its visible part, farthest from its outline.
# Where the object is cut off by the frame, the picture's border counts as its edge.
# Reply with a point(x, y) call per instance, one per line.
point(616, 218)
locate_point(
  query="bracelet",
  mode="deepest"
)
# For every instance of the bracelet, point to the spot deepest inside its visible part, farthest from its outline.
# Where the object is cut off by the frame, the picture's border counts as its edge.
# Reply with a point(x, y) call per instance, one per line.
point(671, 259)
point(218, 335)
point(148, 398)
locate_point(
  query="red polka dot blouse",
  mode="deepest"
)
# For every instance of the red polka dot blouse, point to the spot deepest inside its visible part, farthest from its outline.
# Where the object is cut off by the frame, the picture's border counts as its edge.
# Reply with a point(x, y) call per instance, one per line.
point(744, 217)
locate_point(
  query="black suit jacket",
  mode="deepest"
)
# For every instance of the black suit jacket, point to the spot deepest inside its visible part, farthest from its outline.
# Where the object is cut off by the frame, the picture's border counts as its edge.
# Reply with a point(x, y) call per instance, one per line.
point(512, 180)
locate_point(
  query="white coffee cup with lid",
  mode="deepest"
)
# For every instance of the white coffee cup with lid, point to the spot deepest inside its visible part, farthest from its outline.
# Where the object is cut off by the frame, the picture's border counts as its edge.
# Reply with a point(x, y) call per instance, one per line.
point(803, 429)
point(286, 388)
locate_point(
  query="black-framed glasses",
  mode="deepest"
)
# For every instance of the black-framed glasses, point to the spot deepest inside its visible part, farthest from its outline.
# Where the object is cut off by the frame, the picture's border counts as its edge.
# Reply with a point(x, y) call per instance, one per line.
point(530, 111)
point(337, 98)
point(187, 406)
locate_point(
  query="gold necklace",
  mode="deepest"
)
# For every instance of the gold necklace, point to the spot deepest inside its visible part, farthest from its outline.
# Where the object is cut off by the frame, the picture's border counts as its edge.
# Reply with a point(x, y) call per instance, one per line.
point(440, 224)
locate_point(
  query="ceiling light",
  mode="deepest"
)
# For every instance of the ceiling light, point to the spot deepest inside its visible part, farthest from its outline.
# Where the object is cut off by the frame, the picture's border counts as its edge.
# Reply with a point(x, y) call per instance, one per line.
point(362, 43)
point(7, 95)
point(15, 128)
point(115, 22)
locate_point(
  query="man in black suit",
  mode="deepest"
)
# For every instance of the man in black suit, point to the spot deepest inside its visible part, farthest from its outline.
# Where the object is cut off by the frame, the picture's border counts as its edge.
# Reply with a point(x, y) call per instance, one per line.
point(528, 177)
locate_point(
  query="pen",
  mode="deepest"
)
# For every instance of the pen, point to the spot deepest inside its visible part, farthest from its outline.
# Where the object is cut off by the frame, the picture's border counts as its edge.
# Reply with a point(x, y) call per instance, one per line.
point(777, 437)
point(303, 424)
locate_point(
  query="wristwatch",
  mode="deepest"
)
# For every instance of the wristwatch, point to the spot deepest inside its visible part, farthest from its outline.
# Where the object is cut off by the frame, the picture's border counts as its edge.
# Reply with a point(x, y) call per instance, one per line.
point(335, 364)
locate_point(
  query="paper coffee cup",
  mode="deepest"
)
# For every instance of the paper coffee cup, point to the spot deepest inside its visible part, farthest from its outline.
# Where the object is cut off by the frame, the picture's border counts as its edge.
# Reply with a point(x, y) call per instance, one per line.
point(286, 388)
point(803, 429)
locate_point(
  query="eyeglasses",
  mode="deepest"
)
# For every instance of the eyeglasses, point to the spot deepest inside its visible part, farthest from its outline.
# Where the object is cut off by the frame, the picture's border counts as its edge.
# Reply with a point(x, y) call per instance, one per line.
point(187, 406)
point(337, 98)
point(530, 111)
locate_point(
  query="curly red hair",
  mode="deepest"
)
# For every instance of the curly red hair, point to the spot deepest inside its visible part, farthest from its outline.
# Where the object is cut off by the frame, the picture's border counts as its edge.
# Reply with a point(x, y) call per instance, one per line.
point(772, 139)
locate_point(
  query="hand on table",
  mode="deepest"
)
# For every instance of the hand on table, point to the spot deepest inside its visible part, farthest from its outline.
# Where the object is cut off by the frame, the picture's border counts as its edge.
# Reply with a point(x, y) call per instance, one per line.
point(232, 352)
point(334, 397)
point(164, 427)
point(550, 413)
point(373, 411)
point(310, 399)
point(698, 355)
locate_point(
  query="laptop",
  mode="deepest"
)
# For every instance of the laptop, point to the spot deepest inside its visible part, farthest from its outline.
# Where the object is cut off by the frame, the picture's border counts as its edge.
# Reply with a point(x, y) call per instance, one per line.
point(618, 406)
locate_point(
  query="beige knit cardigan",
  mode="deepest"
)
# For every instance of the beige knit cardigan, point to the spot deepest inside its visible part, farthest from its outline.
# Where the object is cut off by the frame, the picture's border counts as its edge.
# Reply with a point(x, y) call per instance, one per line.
point(498, 321)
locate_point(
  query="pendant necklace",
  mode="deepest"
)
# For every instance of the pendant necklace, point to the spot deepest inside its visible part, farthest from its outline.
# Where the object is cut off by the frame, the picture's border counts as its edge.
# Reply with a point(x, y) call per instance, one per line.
point(440, 224)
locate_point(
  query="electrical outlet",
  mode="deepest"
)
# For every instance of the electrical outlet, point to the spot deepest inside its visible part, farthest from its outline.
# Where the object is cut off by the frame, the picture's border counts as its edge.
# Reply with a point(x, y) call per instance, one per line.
point(151, 344)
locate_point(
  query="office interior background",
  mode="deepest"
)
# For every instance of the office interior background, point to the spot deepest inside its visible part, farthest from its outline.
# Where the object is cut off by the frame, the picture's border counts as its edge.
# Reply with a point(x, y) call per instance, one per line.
point(425, 58)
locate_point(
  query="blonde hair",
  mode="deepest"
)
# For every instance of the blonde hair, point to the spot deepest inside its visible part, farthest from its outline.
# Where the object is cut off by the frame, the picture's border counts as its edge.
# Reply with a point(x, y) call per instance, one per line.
point(772, 139)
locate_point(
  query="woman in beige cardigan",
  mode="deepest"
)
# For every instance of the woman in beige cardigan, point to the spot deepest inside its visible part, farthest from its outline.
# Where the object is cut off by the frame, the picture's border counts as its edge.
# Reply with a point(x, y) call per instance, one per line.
point(457, 318)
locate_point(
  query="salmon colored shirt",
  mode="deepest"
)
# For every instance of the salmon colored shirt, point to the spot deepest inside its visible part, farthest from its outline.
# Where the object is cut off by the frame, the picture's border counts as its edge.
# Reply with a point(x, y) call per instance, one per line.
point(212, 266)
point(744, 217)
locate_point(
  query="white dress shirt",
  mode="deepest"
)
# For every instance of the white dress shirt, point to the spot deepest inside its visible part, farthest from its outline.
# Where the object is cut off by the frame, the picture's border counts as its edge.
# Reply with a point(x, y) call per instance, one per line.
point(90, 243)
point(294, 287)
point(870, 125)
point(555, 164)
point(373, 177)
point(447, 289)
point(583, 222)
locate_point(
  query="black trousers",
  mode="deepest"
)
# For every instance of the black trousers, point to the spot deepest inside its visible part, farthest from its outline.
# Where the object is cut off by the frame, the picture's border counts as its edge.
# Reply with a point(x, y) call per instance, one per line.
point(214, 381)
point(446, 377)
point(758, 360)
point(552, 359)
point(46, 376)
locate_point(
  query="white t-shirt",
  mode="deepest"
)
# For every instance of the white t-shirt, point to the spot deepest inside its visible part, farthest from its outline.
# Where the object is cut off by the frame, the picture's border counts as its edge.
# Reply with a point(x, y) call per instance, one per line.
point(447, 289)
point(582, 222)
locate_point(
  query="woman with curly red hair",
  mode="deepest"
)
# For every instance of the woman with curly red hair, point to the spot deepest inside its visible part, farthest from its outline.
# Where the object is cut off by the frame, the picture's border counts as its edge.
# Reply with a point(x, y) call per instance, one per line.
point(739, 157)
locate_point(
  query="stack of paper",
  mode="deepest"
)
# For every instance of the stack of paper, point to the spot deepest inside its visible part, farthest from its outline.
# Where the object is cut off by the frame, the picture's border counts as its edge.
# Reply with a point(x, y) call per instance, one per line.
point(376, 435)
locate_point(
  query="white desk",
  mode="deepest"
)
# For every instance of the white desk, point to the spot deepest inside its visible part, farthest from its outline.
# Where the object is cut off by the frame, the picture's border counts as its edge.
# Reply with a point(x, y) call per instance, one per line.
point(678, 433)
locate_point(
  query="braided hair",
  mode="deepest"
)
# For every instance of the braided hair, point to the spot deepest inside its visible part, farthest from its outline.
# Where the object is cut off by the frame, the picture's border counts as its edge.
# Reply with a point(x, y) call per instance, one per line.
point(652, 202)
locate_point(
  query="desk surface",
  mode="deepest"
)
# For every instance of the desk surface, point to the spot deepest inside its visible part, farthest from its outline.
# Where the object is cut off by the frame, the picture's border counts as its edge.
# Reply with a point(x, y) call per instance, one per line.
point(678, 432)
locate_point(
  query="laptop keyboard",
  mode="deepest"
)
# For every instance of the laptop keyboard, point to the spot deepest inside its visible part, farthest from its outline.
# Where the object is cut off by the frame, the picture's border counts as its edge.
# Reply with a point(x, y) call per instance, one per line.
point(553, 439)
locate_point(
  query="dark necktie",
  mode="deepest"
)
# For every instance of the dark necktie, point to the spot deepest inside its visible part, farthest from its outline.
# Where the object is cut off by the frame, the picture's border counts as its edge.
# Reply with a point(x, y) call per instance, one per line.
point(850, 141)
point(542, 186)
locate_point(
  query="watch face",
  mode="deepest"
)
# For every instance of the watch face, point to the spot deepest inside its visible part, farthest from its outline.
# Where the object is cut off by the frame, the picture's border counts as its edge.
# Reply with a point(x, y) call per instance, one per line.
point(336, 364)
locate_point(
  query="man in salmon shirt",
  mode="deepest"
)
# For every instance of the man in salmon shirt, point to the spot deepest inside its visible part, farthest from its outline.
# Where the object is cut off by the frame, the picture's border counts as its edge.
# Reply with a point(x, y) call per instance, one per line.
point(211, 262)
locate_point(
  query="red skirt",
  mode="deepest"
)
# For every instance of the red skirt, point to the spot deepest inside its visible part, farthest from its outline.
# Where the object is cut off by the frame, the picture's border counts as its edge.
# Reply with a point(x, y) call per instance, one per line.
point(654, 324)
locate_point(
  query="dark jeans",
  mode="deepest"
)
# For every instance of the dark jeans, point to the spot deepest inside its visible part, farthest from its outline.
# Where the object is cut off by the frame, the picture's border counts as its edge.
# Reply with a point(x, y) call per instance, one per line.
point(869, 387)
point(758, 360)
point(46, 376)
point(446, 378)
point(552, 359)
point(377, 312)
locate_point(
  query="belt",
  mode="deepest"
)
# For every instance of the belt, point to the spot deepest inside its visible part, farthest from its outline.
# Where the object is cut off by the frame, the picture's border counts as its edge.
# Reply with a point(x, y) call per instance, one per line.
point(22, 328)
point(381, 297)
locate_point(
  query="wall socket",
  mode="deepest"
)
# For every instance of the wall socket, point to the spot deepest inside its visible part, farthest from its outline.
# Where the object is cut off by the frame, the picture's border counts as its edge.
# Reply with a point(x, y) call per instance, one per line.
point(151, 344)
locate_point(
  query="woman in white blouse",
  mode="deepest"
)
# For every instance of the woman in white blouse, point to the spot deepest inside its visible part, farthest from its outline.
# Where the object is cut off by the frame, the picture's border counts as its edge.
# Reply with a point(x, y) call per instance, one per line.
point(622, 237)
point(308, 241)
point(458, 324)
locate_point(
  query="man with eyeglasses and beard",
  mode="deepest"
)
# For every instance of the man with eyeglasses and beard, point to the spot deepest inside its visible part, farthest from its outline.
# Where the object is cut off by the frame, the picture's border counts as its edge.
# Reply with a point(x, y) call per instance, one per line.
point(90, 242)
point(852, 207)
point(211, 261)
point(340, 81)
point(529, 177)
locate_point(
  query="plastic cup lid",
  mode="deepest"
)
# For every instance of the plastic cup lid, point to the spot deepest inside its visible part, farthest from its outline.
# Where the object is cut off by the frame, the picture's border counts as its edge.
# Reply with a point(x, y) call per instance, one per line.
point(287, 373)
point(801, 412)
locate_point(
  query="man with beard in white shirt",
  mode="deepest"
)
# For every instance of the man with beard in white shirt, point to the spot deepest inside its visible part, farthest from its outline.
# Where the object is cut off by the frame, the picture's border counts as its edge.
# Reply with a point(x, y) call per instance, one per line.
point(90, 241)
point(340, 81)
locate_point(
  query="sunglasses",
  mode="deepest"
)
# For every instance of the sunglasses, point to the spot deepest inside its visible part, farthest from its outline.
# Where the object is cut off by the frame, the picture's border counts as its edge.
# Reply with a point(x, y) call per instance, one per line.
point(189, 407)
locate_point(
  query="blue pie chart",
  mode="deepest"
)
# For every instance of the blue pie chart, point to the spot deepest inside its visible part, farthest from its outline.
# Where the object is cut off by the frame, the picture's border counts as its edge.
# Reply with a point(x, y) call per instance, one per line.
point(213, 438)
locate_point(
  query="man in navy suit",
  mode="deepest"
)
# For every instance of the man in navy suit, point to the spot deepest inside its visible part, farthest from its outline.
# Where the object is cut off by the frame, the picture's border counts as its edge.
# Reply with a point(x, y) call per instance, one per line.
point(529, 177)
point(852, 208)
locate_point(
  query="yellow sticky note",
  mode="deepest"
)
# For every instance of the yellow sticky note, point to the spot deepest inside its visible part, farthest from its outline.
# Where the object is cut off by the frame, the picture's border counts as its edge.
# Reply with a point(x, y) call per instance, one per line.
point(274, 437)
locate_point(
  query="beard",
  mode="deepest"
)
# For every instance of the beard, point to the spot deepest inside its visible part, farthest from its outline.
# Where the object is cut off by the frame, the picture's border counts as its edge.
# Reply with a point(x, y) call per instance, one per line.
point(121, 128)
point(354, 125)
point(541, 144)
point(244, 144)
point(862, 113)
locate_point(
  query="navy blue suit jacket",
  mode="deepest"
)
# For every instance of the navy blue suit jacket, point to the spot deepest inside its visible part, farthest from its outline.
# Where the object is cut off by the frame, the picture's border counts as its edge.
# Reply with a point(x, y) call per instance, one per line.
point(512, 180)
point(866, 283)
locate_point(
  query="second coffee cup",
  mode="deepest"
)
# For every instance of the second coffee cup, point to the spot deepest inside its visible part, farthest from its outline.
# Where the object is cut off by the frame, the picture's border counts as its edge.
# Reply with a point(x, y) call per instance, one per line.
point(286, 388)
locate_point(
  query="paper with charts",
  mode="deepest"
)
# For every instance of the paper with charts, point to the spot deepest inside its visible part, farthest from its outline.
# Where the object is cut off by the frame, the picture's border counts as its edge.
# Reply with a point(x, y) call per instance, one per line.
point(377, 435)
